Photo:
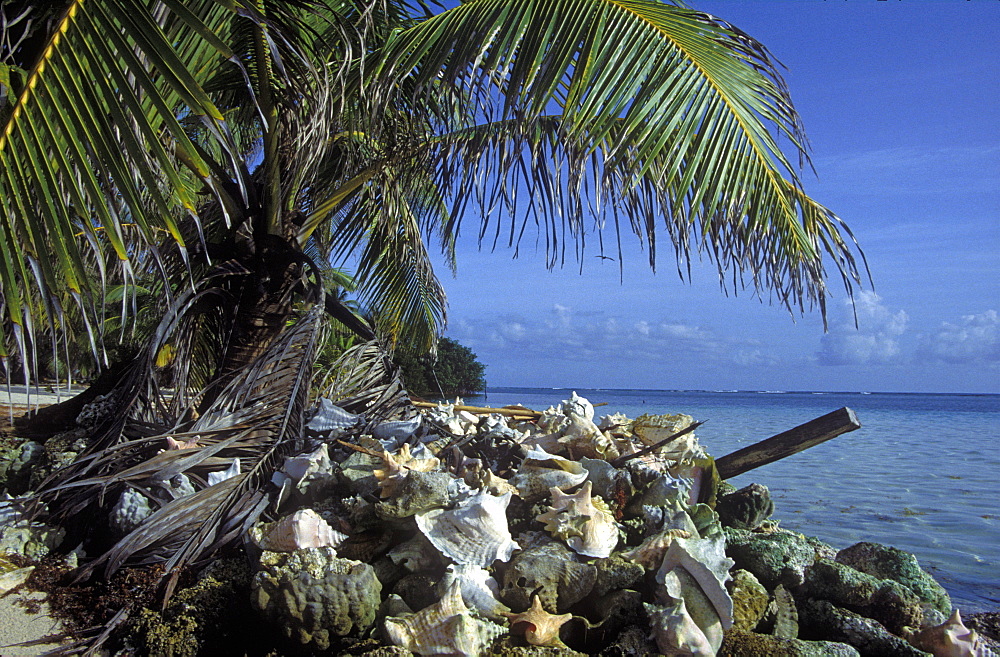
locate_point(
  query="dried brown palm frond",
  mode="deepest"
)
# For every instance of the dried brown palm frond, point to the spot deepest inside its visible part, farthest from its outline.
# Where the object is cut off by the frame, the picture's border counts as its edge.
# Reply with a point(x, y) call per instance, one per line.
point(364, 380)
point(257, 418)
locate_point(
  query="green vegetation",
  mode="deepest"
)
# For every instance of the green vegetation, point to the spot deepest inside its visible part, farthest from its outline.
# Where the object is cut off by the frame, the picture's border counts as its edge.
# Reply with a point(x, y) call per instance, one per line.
point(453, 371)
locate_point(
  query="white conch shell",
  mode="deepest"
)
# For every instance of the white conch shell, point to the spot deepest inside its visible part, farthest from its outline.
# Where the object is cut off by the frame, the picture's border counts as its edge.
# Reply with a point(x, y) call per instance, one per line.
point(581, 437)
point(950, 639)
point(473, 533)
point(329, 417)
point(302, 466)
point(444, 628)
point(303, 529)
point(393, 432)
point(652, 429)
point(220, 476)
point(705, 560)
point(541, 471)
point(578, 406)
point(460, 423)
point(583, 521)
point(676, 633)
point(479, 590)
point(650, 553)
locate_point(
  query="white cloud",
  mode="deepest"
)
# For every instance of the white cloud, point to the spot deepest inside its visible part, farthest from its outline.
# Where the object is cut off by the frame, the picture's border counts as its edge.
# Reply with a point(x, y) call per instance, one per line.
point(565, 334)
point(975, 338)
point(874, 340)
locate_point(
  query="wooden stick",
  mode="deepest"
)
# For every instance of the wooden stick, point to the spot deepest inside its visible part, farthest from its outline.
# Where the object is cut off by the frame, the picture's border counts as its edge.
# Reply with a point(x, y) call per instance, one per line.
point(787, 443)
point(519, 412)
point(482, 410)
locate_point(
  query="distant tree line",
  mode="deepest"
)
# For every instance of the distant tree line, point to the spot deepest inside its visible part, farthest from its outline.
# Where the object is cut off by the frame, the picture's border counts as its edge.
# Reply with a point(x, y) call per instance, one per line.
point(455, 371)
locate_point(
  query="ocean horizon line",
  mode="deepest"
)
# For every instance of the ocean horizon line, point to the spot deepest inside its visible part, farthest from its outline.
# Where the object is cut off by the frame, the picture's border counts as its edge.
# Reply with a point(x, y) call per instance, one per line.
point(737, 391)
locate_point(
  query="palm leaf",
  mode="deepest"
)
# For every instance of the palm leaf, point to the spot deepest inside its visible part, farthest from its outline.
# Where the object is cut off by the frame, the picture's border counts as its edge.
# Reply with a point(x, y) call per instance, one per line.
point(640, 114)
point(92, 143)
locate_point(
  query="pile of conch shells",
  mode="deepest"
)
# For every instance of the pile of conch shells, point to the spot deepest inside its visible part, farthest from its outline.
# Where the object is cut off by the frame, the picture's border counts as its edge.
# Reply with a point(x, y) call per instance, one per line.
point(476, 532)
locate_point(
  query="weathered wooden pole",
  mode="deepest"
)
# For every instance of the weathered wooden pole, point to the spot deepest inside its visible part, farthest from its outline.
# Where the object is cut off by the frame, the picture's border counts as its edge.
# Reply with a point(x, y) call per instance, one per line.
point(788, 442)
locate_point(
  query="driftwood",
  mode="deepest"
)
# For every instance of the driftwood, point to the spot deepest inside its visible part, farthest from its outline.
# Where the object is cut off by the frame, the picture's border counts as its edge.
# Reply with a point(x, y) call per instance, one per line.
point(510, 411)
point(788, 442)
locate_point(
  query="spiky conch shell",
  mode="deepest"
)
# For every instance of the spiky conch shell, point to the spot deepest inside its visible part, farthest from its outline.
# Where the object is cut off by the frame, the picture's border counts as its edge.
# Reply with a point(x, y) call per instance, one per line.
point(540, 628)
point(444, 628)
point(583, 521)
point(949, 639)
point(479, 589)
point(391, 477)
point(676, 633)
point(302, 529)
point(475, 532)
point(649, 554)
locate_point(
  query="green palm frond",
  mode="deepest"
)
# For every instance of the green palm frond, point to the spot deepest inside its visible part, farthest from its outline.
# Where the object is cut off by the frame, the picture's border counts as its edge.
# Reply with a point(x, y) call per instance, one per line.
point(637, 113)
point(92, 142)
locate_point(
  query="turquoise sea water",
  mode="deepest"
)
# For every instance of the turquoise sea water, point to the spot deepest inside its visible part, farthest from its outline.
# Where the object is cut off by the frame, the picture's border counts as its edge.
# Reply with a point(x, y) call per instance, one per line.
point(922, 474)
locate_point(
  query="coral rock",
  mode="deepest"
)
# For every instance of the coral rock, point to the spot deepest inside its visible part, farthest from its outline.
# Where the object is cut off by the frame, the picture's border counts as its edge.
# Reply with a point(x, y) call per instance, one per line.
point(552, 572)
point(314, 596)
point(749, 600)
point(746, 508)
point(822, 620)
point(774, 558)
point(739, 643)
point(887, 562)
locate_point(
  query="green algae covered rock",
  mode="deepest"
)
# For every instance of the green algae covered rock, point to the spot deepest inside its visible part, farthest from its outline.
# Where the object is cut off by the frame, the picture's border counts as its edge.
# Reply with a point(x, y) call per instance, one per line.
point(885, 600)
point(828, 622)
point(30, 539)
point(16, 463)
point(739, 643)
point(887, 562)
point(774, 558)
point(745, 508)
point(313, 596)
point(749, 600)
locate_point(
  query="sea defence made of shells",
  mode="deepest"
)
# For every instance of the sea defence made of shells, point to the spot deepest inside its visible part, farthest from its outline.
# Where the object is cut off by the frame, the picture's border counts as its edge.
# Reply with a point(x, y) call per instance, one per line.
point(516, 532)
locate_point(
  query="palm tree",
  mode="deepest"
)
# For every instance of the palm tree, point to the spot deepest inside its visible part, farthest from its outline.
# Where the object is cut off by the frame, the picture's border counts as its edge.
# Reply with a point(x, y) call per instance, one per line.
point(216, 144)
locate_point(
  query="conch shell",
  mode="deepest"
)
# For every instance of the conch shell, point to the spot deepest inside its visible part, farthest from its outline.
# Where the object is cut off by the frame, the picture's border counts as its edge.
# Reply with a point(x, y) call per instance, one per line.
point(444, 628)
point(583, 521)
point(479, 589)
point(541, 471)
point(391, 477)
point(303, 529)
point(473, 533)
point(539, 626)
point(650, 553)
point(950, 639)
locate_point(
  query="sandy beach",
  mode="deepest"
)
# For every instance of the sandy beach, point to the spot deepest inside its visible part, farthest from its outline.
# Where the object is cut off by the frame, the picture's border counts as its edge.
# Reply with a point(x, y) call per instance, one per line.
point(18, 626)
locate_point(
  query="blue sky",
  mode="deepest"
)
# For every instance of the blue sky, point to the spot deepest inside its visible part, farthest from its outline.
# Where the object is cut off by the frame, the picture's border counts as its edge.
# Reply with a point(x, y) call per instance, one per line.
point(899, 99)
